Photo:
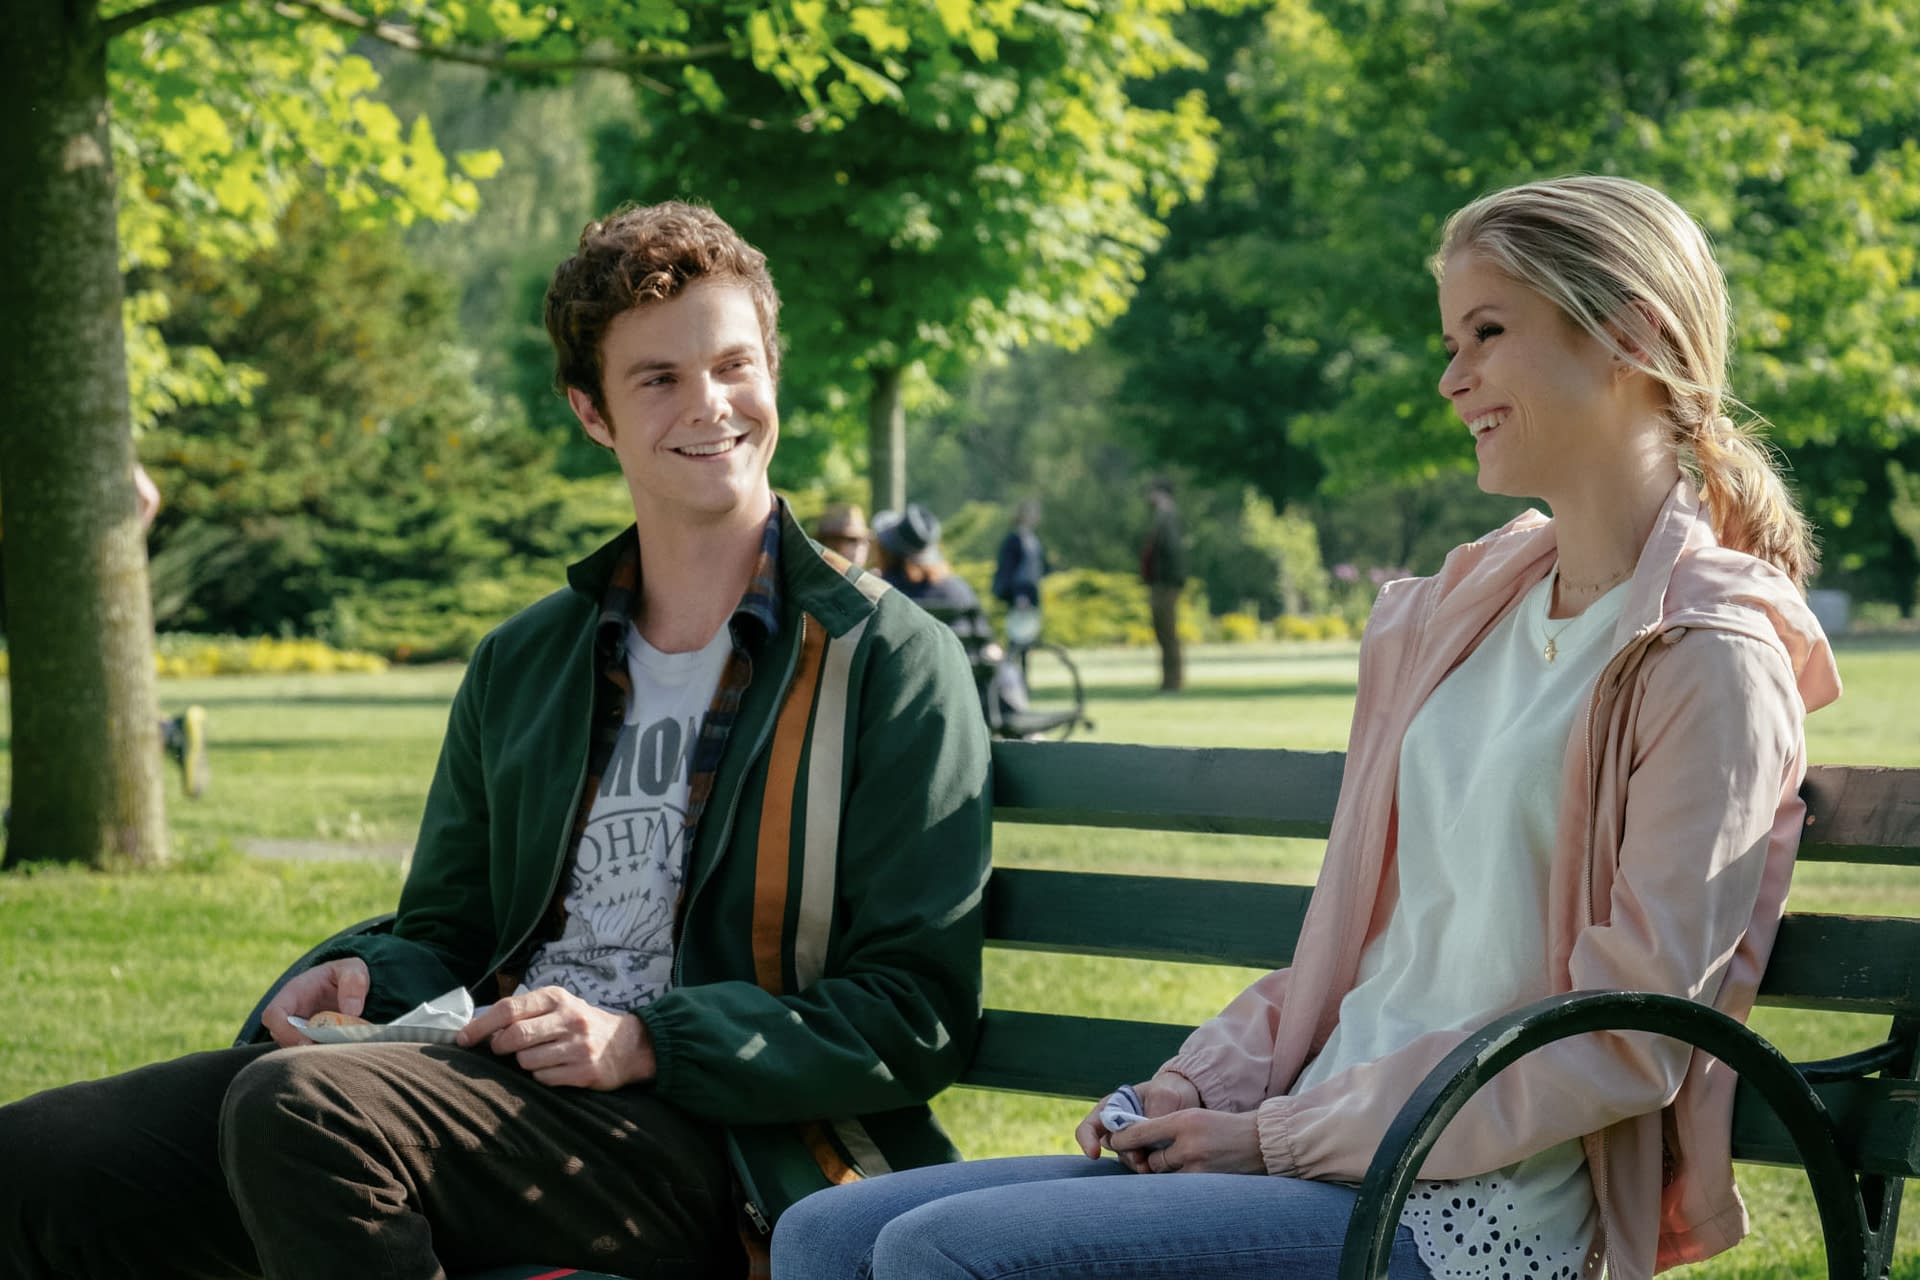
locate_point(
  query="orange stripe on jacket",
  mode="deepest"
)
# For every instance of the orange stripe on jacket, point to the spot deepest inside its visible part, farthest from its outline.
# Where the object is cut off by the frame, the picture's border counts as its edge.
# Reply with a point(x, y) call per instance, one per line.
point(770, 891)
point(826, 1154)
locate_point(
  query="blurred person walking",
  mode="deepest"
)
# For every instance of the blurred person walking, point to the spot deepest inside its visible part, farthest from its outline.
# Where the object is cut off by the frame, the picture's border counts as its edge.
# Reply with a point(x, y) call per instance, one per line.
point(1163, 567)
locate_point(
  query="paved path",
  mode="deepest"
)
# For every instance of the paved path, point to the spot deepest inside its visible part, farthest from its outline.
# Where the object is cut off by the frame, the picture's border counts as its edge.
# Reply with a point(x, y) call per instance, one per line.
point(330, 850)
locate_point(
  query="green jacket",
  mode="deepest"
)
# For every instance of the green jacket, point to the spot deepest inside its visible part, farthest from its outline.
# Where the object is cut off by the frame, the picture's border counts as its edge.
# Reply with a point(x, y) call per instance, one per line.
point(827, 969)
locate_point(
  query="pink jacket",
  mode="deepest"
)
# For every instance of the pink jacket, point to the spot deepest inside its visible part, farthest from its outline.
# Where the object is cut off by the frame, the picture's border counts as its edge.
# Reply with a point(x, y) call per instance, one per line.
point(1698, 717)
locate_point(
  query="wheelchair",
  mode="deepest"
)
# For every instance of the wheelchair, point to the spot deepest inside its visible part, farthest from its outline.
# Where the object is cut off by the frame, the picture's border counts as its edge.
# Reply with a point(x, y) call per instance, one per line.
point(1031, 690)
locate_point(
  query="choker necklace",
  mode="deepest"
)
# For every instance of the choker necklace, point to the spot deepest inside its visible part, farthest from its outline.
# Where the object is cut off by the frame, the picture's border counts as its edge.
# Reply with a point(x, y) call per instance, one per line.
point(1598, 588)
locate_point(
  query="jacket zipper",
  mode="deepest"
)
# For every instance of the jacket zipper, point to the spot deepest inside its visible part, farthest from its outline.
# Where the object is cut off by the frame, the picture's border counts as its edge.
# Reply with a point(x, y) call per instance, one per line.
point(733, 801)
point(749, 1199)
point(1601, 1197)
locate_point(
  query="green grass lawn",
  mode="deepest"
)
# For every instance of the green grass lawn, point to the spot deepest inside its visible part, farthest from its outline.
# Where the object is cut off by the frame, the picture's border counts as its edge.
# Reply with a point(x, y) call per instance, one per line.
point(110, 971)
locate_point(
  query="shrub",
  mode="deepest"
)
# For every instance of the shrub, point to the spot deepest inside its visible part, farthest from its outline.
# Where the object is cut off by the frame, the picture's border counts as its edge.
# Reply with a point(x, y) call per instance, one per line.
point(1316, 626)
point(1238, 628)
point(192, 655)
point(180, 654)
point(412, 621)
point(1085, 607)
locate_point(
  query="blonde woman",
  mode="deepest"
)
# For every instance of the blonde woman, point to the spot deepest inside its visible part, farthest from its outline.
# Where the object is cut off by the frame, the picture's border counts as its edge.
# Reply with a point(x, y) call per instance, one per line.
point(1575, 763)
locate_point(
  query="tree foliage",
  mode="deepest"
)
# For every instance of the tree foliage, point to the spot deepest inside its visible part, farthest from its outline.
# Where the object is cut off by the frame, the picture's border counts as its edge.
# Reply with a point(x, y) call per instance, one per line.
point(986, 179)
point(1355, 128)
point(370, 490)
point(144, 127)
point(1218, 338)
point(222, 117)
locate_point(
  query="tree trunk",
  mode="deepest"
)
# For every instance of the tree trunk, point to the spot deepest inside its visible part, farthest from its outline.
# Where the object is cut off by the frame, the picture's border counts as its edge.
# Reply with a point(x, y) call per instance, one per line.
point(887, 442)
point(85, 750)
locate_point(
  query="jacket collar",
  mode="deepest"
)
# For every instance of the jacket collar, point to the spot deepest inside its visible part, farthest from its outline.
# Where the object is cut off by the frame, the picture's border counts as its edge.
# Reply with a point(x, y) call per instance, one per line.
point(1684, 579)
point(610, 576)
point(806, 579)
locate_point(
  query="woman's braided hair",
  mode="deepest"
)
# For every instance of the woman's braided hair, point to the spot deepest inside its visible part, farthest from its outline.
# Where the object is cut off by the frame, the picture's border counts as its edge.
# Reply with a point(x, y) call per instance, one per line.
point(1631, 267)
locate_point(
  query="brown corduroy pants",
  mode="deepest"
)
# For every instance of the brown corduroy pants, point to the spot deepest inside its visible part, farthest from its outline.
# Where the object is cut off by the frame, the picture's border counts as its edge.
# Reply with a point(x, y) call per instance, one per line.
point(388, 1160)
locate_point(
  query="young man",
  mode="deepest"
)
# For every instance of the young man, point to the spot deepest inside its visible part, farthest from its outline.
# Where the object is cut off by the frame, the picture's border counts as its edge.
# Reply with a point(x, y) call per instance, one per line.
point(710, 827)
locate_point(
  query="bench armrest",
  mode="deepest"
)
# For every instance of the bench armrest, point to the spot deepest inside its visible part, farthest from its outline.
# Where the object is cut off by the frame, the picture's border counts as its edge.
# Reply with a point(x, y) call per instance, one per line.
point(1484, 1054)
point(250, 1029)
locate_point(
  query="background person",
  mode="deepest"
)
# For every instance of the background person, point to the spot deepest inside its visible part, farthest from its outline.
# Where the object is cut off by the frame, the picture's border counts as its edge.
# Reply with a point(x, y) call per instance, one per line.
point(1575, 763)
point(842, 527)
point(1163, 567)
point(1021, 561)
point(908, 546)
point(182, 737)
point(1018, 568)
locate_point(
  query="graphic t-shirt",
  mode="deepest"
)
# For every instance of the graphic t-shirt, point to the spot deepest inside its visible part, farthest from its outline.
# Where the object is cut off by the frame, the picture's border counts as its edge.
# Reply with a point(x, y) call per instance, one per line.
point(616, 950)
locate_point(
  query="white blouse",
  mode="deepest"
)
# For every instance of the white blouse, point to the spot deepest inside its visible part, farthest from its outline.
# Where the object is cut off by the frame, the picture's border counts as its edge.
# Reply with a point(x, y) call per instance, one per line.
point(1478, 813)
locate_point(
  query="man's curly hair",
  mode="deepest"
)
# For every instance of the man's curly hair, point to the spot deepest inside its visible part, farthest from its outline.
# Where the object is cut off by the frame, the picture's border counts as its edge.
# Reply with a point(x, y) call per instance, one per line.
point(639, 254)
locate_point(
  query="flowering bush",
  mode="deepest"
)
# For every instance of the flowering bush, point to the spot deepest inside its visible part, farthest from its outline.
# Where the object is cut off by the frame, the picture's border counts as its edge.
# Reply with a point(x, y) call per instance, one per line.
point(194, 655)
point(1320, 626)
point(1238, 628)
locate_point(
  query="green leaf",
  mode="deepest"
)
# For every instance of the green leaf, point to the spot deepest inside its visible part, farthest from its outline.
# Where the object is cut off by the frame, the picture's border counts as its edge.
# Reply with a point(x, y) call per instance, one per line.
point(479, 165)
point(881, 33)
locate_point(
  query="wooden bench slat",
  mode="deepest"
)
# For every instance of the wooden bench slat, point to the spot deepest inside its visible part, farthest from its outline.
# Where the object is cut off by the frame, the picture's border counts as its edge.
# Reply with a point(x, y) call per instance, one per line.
point(1859, 813)
point(1065, 1055)
point(1226, 790)
point(1076, 1057)
point(1853, 964)
point(1147, 917)
point(1856, 964)
point(1855, 813)
point(1875, 1120)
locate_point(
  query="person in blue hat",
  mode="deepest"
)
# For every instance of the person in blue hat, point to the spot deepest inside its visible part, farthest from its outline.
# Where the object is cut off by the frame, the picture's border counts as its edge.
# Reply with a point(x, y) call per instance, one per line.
point(907, 543)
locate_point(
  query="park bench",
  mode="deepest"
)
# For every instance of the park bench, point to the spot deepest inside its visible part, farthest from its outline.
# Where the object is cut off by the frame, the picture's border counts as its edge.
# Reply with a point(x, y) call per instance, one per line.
point(1852, 1122)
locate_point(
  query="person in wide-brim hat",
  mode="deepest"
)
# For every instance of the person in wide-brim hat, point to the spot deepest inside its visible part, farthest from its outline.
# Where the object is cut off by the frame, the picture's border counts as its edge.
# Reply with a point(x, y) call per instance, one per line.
point(842, 527)
point(909, 536)
point(908, 546)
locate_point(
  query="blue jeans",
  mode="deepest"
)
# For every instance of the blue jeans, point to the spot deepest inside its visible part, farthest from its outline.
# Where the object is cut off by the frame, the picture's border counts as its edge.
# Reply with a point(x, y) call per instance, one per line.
point(1051, 1217)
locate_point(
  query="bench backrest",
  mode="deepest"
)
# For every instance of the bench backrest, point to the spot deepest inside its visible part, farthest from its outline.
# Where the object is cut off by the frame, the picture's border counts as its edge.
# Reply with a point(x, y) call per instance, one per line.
point(1824, 962)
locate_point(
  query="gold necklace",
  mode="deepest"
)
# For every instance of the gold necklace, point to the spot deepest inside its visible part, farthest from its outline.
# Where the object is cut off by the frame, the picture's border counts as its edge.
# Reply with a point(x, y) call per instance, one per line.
point(1552, 649)
point(1555, 585)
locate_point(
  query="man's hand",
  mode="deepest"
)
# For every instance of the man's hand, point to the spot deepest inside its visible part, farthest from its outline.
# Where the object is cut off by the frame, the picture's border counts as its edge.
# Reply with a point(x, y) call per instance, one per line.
point(1163, 1095)
point(337, 984)
point(563, 1040)
point(1198, 1141)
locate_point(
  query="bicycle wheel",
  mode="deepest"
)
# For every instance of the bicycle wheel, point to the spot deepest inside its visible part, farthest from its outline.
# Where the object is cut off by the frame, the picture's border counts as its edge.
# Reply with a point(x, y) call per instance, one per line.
point(1056, 703)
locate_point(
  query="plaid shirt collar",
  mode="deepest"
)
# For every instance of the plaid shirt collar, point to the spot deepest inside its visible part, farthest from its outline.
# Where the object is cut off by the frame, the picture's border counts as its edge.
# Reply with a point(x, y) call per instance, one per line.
point(755, 620)
point(620, 601)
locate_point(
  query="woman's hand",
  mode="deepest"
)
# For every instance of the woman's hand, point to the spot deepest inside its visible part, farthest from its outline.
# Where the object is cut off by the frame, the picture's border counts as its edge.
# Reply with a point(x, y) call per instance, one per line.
point(1198, 1141)
point(337, 984)
point(563, 1040)
point(1163, 1095)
